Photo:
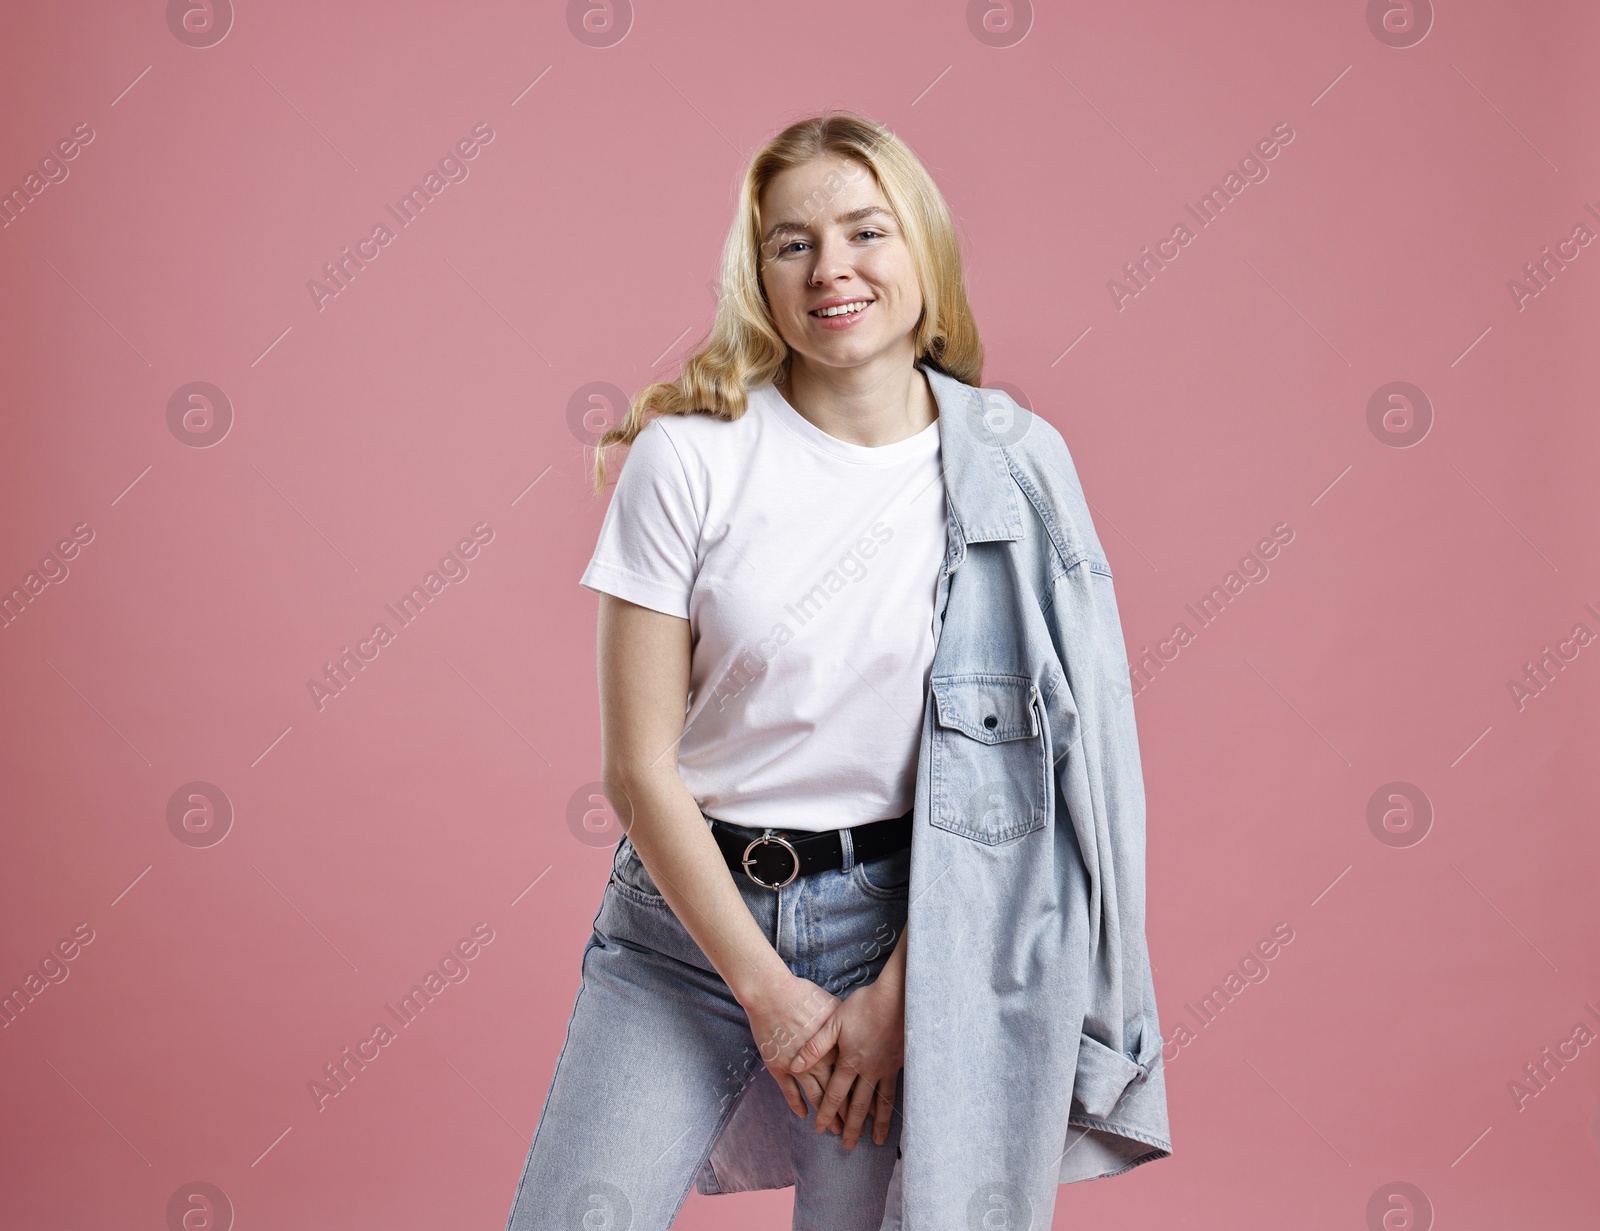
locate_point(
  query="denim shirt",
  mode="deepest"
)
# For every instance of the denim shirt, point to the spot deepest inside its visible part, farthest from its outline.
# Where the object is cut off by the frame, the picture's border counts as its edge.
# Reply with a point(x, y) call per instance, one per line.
point(1032, 1043)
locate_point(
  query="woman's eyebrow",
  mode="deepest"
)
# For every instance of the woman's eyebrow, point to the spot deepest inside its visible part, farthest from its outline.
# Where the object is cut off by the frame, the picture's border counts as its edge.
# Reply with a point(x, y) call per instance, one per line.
point(855, 215)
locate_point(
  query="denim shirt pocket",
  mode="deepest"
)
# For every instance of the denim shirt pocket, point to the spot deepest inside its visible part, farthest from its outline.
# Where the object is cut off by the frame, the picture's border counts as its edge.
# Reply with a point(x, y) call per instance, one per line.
point(991, 766)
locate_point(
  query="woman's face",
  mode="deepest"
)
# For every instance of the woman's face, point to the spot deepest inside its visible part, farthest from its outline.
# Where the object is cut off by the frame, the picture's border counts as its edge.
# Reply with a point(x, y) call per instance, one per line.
point(831, 240)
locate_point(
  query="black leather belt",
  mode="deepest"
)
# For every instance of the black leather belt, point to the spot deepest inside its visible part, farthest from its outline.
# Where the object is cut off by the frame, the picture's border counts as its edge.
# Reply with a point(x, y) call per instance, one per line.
point(773, 858)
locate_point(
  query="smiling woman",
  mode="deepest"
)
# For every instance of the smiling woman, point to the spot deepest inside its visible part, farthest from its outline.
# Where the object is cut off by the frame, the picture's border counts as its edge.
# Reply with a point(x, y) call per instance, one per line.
point(820, 880)
point(844, 285)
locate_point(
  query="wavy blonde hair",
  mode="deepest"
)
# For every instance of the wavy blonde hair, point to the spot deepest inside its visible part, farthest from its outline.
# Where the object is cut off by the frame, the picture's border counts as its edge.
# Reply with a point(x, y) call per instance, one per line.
point(744, 349)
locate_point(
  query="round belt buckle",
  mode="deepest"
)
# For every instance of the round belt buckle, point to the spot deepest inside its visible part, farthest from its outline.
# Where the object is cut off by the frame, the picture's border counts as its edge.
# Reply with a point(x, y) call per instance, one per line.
point(770, 838)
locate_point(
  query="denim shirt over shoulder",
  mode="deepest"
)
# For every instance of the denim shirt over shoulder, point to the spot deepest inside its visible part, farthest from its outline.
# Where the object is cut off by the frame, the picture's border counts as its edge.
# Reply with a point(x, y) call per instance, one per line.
point(1033, 1046)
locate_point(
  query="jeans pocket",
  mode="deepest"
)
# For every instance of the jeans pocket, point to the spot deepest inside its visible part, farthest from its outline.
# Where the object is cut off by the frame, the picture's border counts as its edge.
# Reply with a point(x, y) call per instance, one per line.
point(887, 876)
point(991, 774)
point(631, 879)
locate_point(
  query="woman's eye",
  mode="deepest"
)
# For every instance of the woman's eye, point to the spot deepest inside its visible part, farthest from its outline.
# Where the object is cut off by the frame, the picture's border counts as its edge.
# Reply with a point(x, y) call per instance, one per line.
point(869, 231)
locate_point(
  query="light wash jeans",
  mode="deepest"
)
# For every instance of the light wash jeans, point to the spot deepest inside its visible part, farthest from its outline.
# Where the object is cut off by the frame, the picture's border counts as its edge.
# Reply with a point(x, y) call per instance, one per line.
point(658, 1055)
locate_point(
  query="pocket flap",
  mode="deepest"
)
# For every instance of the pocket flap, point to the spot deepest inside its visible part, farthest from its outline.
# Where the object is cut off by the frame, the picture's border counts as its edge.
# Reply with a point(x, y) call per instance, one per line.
point(988, 707)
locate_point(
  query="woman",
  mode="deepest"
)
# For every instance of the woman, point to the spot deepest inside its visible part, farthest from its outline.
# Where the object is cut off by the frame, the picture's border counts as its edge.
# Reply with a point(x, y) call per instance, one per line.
point(779, 559)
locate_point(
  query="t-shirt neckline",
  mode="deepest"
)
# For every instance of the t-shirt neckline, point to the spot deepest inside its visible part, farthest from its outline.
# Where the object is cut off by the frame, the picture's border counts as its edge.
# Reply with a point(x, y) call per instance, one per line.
point(915, 445)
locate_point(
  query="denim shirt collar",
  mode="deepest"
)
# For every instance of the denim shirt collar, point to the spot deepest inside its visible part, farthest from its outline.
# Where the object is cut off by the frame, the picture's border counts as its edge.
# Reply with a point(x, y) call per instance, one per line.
point(982, 498)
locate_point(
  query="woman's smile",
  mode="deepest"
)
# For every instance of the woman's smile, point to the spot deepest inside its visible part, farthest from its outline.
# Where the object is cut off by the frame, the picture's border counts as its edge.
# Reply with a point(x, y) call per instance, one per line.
point(840, 315)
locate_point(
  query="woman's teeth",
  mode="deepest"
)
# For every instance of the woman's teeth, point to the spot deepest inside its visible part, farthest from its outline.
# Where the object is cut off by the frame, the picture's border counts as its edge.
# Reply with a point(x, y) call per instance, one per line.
point(842, 309)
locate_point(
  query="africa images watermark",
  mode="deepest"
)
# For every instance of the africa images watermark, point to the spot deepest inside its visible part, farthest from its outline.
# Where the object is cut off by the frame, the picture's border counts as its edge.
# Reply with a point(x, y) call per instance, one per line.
point(51, 970)
point(802, 610)
point(52, 570)
point(1537, 276)
point(1537, 1075)
point(452, 968)
point(1539, 673)
point(1252, 570)
point(451, 169)
point(53, 169)
point(1251, 969)
point(341, 672)
point(1252, 169)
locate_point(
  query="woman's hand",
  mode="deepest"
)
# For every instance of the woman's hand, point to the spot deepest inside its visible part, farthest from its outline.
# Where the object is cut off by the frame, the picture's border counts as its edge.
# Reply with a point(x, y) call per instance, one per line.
point(865, 1039)
point(783, 1015)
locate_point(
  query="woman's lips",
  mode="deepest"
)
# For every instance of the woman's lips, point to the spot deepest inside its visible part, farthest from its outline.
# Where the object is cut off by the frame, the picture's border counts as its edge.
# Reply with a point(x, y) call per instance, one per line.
point(845, 321)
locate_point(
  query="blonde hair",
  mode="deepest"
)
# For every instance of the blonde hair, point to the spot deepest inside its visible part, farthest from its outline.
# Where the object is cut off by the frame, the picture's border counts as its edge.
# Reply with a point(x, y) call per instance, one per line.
point(744, 349)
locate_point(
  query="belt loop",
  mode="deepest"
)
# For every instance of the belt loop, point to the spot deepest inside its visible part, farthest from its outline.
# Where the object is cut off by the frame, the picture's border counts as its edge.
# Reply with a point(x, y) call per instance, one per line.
point(847, 847)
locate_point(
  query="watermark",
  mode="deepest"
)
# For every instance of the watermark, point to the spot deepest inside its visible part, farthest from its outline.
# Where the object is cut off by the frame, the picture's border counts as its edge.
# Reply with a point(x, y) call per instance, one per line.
point(999, 416)
point(199, 24)
point(1399, 24)
point(811, 207)
point(1012, 392)
point(1538, 1075)
point(199, 814)
point(817, 1004)
point(199, 414)
point(1399, 1206)
point(599, 1205)
point(337, 1075)
point(804, 608)
point(875, 951)
point(1139, 274)
point(823, 998)
point(1541, 672)
point(1251, 969)
point(599, 23)
point(999, 23)
point(591, 818)
point(340, 274)
point(1399, 814)
point(52, 969)
point(594, 409)
point(999, 1206)
point(1539, 275)
point(1399, 414)
point(52, 169)
point(199, 1206)
point(1205, 611)
point(52, 570)
point(340, 673)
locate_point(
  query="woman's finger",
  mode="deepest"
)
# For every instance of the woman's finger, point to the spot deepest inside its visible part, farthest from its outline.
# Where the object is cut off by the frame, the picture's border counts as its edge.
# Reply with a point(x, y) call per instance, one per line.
point(791, 1093)
point(833, 1097)
point(815, 1082)
point(861, 1096)
point(883, 1109)
point(817, 1046)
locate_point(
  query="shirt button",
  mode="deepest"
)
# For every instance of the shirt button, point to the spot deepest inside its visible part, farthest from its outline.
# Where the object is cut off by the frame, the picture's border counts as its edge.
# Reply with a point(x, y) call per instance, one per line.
point(991, 722)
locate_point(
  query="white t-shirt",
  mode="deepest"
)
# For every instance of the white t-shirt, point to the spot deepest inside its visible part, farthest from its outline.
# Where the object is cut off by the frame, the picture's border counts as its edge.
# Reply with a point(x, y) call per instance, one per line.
point(807, 567)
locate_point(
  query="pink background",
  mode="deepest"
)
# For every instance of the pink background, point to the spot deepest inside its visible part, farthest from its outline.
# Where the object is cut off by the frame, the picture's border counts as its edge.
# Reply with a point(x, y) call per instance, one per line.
point(367, 437)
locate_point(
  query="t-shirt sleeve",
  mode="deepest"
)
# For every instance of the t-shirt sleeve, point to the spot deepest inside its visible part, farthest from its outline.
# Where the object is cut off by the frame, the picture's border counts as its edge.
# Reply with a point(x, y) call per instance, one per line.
point(647, 551)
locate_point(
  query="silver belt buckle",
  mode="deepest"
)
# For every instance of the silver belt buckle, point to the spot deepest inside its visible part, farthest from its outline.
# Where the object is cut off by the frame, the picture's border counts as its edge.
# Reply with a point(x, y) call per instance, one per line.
point(769, 837)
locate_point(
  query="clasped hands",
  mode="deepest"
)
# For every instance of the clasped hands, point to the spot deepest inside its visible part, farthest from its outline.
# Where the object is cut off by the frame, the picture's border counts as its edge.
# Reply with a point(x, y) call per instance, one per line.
point(844, 1056)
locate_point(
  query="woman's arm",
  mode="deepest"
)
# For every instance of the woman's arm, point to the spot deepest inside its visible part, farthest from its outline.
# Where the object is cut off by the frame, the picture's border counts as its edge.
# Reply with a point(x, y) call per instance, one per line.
point(644, 658)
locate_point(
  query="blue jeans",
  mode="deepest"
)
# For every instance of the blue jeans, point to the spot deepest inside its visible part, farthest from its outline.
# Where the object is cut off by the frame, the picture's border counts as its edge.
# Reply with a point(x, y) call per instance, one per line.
point(659, 1054)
